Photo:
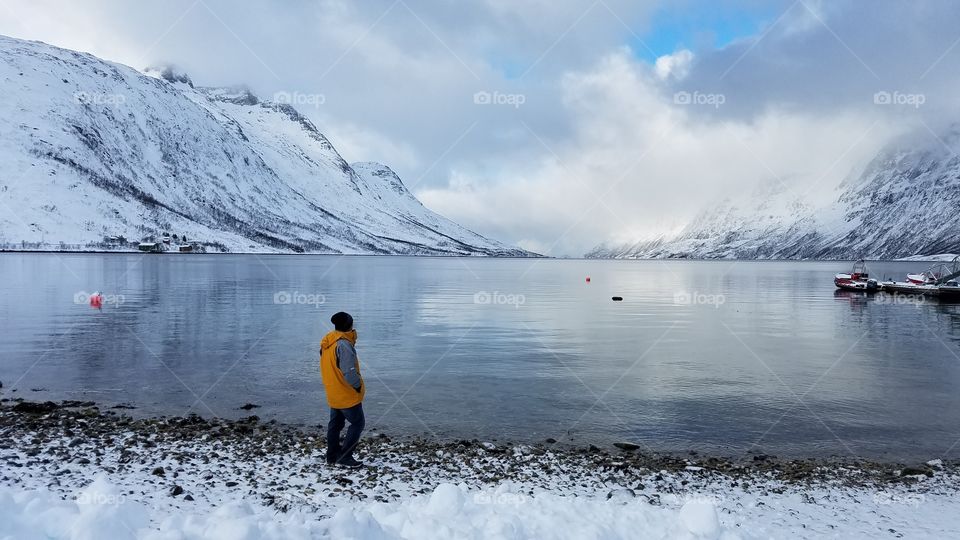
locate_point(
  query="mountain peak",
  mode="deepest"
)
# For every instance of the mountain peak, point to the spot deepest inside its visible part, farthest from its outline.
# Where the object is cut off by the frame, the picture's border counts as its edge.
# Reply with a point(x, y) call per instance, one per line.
point(379, 172)
point(169, 73)
point(238, 95)
point(377, 169)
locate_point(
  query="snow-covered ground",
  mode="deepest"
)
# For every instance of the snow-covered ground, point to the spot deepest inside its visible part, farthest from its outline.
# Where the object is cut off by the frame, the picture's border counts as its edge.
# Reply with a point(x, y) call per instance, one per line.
point(102, 510)
point(78, 473)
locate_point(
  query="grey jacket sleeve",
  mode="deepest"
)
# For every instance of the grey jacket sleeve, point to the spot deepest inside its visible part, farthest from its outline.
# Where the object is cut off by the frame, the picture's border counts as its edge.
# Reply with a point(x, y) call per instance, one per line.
point(347, 362)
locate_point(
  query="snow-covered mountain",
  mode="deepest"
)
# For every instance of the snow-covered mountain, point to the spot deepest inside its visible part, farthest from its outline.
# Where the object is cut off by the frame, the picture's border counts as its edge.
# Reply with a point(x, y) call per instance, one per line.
point(906, 202)
point(91, 149)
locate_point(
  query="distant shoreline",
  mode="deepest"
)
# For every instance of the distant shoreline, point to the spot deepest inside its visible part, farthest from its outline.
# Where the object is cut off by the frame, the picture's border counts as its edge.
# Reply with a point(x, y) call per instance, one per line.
point(263, 253)
point(914, 258)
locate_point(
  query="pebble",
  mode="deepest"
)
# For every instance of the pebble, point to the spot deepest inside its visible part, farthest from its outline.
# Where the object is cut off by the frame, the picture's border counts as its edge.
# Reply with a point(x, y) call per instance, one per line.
point(629, 447)
point(621, 495)
point(273, 459)
point(33, 407)
point(916, 471)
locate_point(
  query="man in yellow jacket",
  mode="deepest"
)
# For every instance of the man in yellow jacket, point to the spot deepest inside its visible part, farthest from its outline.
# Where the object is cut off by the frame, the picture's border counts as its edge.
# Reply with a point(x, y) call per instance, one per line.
point(340, 369)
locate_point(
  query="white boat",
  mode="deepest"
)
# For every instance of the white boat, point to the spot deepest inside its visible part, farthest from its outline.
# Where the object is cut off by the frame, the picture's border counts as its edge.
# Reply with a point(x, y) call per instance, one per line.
point(857, 280)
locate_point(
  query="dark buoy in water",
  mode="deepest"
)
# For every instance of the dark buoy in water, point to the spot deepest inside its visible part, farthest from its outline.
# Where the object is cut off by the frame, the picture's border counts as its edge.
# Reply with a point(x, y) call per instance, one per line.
point(588, 279)
point(617, 299)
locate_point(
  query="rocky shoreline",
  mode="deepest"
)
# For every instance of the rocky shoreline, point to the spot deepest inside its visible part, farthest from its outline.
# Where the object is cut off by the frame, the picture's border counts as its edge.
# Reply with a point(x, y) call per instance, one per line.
point(61, 446)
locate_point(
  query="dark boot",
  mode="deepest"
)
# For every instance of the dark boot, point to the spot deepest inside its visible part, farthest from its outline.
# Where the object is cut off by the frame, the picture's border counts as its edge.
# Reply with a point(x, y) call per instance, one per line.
point(349, 462)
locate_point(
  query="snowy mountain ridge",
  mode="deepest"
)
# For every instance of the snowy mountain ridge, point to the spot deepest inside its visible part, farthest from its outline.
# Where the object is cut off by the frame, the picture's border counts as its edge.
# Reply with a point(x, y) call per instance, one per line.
point(92, 149)
point(905, 203)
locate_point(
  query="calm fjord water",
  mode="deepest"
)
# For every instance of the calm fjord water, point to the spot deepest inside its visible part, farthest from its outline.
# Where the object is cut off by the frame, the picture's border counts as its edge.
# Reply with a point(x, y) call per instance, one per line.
point(724, 357)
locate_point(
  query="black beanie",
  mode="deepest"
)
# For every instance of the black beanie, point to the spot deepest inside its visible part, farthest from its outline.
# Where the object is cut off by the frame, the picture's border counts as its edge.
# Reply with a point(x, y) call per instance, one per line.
point(342, 321)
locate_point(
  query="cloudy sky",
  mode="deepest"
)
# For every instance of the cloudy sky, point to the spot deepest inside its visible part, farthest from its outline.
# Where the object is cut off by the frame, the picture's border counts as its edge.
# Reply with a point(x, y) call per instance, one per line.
point(560, 125)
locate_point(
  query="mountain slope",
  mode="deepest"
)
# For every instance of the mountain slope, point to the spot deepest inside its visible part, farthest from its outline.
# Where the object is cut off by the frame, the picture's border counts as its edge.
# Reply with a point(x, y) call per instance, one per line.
point(904, 203)
point(92, 149)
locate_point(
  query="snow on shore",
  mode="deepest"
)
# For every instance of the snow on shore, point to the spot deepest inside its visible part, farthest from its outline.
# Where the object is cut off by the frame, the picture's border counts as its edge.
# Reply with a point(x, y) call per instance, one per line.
point(102, 510)
point(79, 474)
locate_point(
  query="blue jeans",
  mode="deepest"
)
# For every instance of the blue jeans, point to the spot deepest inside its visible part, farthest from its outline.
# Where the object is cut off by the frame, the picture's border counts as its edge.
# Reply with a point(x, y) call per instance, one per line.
point(338, 417)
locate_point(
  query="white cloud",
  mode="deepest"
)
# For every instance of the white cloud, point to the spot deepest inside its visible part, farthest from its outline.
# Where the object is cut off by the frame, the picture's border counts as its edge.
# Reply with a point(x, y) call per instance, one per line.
point(357, 144)
point(676, 65)
point(639, 165)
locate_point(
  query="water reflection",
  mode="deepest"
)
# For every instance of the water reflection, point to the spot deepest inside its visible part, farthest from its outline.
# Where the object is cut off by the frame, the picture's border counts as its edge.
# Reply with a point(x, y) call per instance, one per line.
point(715, 356)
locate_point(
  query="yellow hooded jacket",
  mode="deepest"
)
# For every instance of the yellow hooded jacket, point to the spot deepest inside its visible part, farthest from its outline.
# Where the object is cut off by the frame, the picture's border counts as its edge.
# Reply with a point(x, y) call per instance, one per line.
point(340, 395)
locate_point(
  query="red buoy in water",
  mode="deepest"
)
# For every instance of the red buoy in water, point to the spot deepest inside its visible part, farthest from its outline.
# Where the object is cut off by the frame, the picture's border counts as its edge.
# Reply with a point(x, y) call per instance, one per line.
point(588, 279)
point(96, 300)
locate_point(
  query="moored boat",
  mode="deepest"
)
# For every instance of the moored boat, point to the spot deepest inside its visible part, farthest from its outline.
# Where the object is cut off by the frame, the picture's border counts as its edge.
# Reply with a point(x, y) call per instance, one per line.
point(939, 281)
point(924, 278)
point(857, 280)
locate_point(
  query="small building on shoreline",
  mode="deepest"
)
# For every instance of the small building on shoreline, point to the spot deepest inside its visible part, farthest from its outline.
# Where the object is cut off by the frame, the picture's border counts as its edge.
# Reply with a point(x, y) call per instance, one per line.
point(150, 247)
